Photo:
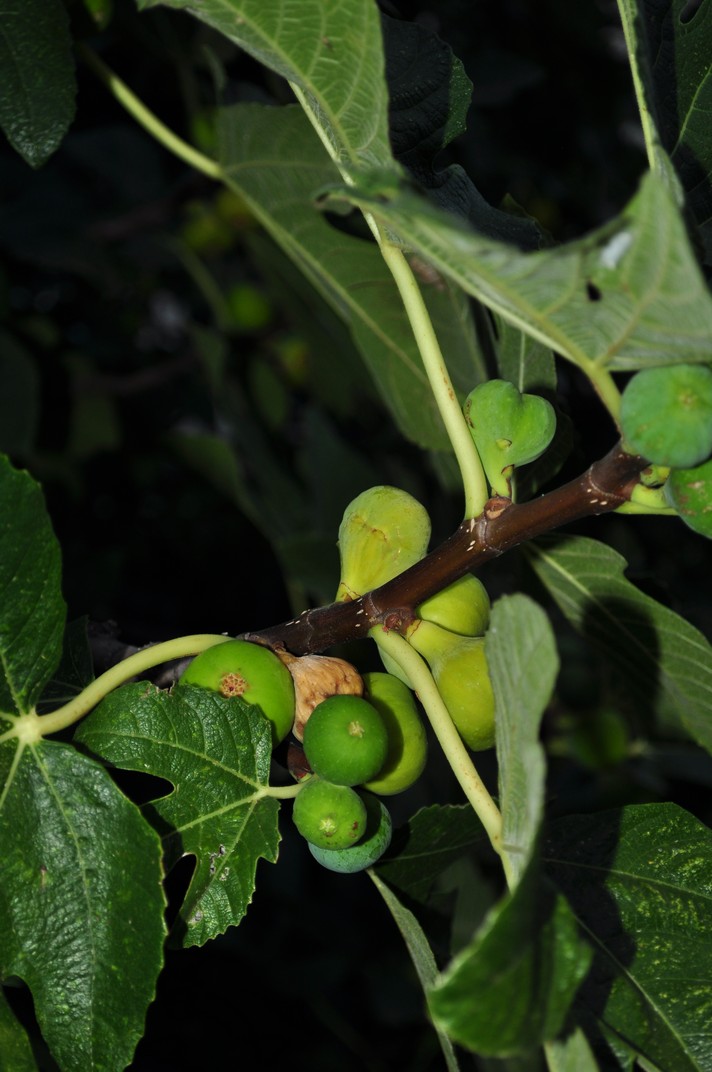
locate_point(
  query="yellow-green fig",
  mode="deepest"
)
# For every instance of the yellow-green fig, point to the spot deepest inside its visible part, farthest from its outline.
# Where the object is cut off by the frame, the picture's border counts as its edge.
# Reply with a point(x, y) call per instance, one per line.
point(459, 667)
point(384, 530)
point(407, 742)
point(463, 607)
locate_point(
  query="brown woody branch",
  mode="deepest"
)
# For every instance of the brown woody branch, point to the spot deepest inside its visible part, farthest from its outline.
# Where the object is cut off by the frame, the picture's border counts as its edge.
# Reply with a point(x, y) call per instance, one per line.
point(605, 485)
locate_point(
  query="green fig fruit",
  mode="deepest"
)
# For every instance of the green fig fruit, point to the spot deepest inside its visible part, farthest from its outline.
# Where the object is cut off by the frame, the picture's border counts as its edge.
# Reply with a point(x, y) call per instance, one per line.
point(327, 815)
point(252, 672)
point(666, 415)
point(407, 740)
point(463, 607)
point(459, 667)
point(368, 850)
point(345, 740)
point(690, 492)
point(509, 429)
point(383, 532)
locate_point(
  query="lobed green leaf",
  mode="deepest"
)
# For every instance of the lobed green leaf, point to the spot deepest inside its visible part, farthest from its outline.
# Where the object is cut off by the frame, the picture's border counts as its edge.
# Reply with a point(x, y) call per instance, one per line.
point(216, 753)
point(15, 1048)
point(663, 659)
point(638, 880)
point(81, 903)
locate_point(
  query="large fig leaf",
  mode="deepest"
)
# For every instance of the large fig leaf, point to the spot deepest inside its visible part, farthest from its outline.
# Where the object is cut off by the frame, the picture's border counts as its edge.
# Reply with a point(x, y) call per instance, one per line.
point(81, 903)
point(663, 659)
point(216, 753)
point(627, 296)
point(638, 880)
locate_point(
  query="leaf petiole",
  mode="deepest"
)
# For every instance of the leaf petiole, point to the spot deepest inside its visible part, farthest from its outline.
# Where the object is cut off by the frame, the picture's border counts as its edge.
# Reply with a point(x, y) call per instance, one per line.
point(449, 739)
point(31, 727)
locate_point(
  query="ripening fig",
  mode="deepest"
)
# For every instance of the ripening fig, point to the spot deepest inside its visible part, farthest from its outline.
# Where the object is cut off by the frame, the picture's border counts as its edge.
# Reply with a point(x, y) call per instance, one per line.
point(509, 429)
point(316, 677)
point(369, 849)
point(463, 607)
point(345, 740)
point(252, 672)
point(666, 415)
point(690, 492)
point(459, 668)
point(383, 531)
point(327, 815)
point(407, 741)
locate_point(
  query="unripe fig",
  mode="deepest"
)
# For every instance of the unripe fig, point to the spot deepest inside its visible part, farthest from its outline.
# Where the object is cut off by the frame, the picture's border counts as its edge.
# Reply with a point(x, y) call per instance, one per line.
point(383, 532)
point(252, 672)
point(345, 740)
point(459, 668)
point(316, 677)
point(666, 415)
point(463, 607)
point(369, 849)
point(690, 492)
point(327, 815)
point(407, 741)
point(509, 429)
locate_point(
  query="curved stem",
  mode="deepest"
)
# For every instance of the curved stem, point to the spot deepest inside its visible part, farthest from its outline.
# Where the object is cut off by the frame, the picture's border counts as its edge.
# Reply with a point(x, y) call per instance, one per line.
point(136, 108)
point(31, 727)
point(606, 388)
point(449, 739)
point(474, 480)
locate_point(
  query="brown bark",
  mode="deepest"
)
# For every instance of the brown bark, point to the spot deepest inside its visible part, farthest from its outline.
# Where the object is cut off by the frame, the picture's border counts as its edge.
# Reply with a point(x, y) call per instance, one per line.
point(605, 485)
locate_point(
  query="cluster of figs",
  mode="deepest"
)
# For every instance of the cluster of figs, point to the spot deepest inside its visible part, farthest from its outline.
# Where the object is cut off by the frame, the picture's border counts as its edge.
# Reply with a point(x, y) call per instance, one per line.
point(362, 735)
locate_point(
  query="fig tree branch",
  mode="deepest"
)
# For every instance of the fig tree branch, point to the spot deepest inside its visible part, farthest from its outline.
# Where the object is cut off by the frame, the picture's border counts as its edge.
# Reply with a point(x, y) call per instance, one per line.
point(606, 485)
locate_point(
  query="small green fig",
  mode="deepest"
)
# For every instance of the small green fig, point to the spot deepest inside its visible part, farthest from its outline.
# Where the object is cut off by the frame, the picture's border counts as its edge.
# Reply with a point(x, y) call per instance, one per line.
point(459, 667)
point(463, 607)
point(666, 415)
point(252, 672)
point(509, 429)
point(329, 816)
point(373, 844)
point(690, 492)
point(407, 741)
point(383, 531)
point(345, 740)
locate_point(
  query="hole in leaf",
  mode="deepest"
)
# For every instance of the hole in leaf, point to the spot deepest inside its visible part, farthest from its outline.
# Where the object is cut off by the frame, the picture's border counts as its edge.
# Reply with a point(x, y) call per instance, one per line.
point(690, 10)
point(592, 292)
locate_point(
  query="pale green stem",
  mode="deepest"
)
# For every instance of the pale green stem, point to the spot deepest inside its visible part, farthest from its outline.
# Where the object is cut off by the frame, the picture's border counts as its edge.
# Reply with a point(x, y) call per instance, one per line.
point(31, 727)
point(606, 388)
point(474, 480)
point(158, 130)
point(641, 508)
point(283, 792)
point(449, 739)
